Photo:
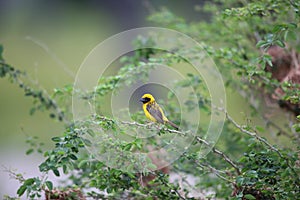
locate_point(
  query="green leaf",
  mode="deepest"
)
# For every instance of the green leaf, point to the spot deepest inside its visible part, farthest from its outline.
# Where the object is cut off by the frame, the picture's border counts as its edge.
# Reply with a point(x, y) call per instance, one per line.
point(240, 180)
point(56, 172)
point(243, 159)
point(87, 142)
point(93, 183)
point(279, 43)
point(40, 150)
point(292, 25)
point(269, 61)
point(21, 190)
point(49, 185)
point(29, 151)
point(252, 174)
point(81, 163)
point(73, 157)
point(57, 92)
point(60, 152)
point(262, 43)
point(29, 182)
point(65, 169)
point(170, 95)
point(91, 132)
point(152, 167)
point(277, 28)
point(296, 127)
point(127, 147)
point(249, 196)
point(55, 139)
point(32, 111)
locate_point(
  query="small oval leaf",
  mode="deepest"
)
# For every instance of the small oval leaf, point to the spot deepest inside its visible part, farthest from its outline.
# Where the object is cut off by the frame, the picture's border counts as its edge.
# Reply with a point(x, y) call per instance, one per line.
point(56, 172)
point(49, 185)
point(249, 196)
point(29, 151)
point(21, 190)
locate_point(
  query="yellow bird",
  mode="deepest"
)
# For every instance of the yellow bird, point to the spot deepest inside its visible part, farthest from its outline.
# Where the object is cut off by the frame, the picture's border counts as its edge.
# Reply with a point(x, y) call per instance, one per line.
point(153, 111)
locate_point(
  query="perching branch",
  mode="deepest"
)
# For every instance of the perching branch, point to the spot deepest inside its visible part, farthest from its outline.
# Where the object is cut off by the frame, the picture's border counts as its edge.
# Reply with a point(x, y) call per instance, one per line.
point(200, 140)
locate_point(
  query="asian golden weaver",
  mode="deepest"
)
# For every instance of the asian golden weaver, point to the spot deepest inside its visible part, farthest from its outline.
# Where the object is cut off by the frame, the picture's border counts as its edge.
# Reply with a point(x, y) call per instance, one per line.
point(154, 112)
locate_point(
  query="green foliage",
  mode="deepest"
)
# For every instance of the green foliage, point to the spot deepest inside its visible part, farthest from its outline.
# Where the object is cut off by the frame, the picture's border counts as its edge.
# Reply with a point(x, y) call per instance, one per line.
point(242, 165)
point(34, 144)
point(64, 153)
point(266, 175)
point(33, 187)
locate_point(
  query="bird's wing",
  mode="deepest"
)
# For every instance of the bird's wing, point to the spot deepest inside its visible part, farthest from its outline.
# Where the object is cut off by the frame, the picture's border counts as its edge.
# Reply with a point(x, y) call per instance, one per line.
point(155, 112)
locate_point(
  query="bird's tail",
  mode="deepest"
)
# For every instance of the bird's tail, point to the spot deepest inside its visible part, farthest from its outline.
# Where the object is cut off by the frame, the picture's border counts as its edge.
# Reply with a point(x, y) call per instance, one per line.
point(173, 125)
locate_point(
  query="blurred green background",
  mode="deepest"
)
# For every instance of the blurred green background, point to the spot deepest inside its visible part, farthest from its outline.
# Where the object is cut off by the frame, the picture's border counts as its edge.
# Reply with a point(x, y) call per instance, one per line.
point(49, 40)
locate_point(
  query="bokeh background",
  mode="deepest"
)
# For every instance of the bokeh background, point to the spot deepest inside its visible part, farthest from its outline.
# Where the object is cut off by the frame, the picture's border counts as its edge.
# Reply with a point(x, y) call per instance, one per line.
point(49, 39)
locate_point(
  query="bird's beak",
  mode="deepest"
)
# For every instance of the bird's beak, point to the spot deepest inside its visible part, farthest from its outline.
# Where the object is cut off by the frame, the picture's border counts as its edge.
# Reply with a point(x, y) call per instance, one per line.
point(143, 100)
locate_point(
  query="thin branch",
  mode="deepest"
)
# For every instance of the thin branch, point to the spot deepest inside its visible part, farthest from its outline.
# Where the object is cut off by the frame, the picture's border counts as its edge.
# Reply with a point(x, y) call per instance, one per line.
point(16, 176)
point(56, 59)
point(254, 135)
point(220, 153)
point(215, 171)
point(142, 125)
point(281, 131)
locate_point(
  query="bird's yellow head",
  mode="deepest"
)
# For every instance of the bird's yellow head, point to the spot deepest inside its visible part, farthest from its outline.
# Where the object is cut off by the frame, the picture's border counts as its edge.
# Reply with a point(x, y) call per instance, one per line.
point(147, 98)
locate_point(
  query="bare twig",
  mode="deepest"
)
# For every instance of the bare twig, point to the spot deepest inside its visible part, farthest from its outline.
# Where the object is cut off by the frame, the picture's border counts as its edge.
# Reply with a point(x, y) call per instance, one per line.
point(16, 176)
point(220, 153)
point(254, 135)
point(56, 59)
point(215, 171)
point(281, 131)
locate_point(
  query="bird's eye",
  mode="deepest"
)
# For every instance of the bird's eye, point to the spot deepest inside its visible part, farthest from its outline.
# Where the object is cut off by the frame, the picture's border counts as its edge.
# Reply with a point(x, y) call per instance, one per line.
point(147, 99)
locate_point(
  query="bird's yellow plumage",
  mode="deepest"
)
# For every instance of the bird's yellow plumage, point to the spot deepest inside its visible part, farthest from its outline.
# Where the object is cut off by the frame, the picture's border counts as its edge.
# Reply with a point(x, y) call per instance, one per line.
point(153, 111)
